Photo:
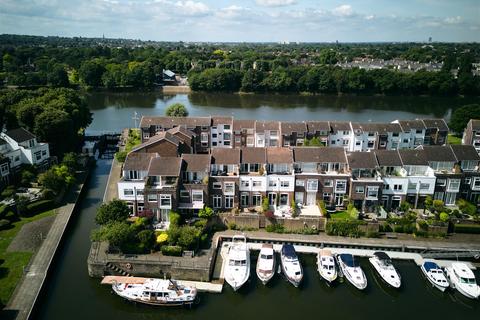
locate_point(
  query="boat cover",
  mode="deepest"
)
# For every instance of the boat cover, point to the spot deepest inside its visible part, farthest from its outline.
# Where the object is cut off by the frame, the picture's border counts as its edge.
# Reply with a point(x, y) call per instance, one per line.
point(381, 255)
point(429, 265)
point(289, 251)
point(348, 259)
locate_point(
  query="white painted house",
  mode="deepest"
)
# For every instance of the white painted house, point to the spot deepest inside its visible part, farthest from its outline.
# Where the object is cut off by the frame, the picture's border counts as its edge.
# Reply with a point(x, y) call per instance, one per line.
point(21, 147)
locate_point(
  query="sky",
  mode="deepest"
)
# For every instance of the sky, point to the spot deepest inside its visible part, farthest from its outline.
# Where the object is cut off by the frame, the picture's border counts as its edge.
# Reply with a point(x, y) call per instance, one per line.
point(247, 20)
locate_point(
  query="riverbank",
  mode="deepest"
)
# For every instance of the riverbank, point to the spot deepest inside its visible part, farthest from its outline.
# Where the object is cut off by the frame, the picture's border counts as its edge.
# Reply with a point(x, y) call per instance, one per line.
point(26, 293)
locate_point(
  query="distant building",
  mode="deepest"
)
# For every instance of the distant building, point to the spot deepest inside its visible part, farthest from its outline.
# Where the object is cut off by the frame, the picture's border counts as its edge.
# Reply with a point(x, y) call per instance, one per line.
point(20, 146)
point(471, 135)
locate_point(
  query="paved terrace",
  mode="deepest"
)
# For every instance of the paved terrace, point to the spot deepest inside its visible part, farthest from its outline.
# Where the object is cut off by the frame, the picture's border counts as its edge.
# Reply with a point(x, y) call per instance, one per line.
point(26, 293)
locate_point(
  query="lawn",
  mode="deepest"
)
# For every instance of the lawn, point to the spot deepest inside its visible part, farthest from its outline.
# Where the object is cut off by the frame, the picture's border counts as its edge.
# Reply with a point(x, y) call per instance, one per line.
point(12, 263)
point(341, 215)
point(452, 139)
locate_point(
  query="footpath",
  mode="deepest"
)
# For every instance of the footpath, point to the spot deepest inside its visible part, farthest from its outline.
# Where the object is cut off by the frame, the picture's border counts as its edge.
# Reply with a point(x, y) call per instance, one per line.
point(28, 289)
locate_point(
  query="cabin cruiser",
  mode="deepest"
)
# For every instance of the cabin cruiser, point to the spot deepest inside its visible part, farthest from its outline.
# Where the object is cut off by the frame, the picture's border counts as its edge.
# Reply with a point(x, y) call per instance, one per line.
point(237, 269)
point(266, 263)
point(435, 275)
point(463, 279)
point(291, 267)
point(326, 265)
point(382, 263)
point(156, 292)
point(352, 270)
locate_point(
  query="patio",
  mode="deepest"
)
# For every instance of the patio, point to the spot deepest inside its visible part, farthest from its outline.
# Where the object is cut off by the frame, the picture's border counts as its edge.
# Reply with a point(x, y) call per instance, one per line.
point(312, 210)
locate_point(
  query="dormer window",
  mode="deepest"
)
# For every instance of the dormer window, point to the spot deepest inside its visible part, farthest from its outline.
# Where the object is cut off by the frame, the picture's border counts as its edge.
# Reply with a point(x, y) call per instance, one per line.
point(31, 143)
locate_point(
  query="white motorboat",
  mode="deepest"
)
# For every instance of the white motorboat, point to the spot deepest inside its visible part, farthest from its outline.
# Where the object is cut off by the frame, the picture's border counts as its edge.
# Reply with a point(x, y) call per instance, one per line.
point(156, 292)
point(382, 263)
point(237, 268)
point(326, 265)
point(266, 263)
point(291, 266)
point(352, 270)
point(463, 279)
point(435, 275)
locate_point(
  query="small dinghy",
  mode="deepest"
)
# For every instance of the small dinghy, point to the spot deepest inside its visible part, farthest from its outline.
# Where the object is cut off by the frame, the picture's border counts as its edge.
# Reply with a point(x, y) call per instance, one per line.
point(266, 263)
point(463, 279)
point(326, 265)
point(382, 263)
point(352, 270)
point(435, 275)
point(291, 267)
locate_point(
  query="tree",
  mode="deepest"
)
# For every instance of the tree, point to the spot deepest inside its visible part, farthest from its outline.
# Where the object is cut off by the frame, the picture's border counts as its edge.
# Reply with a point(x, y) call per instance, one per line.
point(71, 161)
point(462, 115)
point(113, 211)
point(51, 180)
point(146, 239)
point(206, 213)
point(56, 127)
point(189, 237)
point(117, 233)
point(176, 110)
point(91, 73)
point(58, 77)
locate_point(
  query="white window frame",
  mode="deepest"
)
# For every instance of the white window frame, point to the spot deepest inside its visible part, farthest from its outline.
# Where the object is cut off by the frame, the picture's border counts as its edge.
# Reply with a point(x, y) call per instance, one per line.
point(165, 197)
point(217, 201)
point(360, 189)
point(217, 185)
point(229, 201)
point(229, 188)
point(196, 193)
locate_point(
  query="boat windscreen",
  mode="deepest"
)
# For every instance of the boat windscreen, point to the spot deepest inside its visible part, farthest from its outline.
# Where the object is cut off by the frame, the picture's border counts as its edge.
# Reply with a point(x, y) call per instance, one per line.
point(289, 251)
point(381, 255)
point(349, 260)
point(430, 265)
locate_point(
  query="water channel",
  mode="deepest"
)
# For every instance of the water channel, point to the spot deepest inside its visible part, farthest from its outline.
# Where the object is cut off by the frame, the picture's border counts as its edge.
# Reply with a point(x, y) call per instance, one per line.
point(70, 294)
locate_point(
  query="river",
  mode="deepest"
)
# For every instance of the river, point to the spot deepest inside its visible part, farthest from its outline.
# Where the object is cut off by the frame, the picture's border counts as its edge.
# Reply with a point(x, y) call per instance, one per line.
point(69, 293)
point(114, 111)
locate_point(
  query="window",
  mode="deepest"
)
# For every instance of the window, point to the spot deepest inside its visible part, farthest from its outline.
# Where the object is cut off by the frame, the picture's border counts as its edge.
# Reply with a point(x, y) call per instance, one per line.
point(453, 185)
point(370, 144)
point(327, 197)
point(217, 201)
point(244, 183)
point(372, 192)
point(214, 136)
point(332, 142)
point(250, 141)
point(412, 185)
point(229, 188)
point(244, 200)
point(228, 202)
point(340, 185)
point(358, 143)
point(397, 187)
point(38, 155)
point(405, 140)
point(152, 198)
point(165, 200)
point(128, 192)
point(214, 143)
point(257, 200)
point(424, 186)
point(44, 152)
point(133, 175)
point(418, 131)
point(227, 136)
point(4, 168)
point(468, 180)
point(237, 139)
point(217, 185)
point(441, 182)
point(395, 134)
point(312, 185)
point(272, 183)
point(204, 137)
point(273, 133)
point(284, 184)
point(345, 133)
point(300, 183)
point(197, 196)
point(185, 195)
point(226, 127)
point(328, 183)
point(345, 142)
point(359, 189)
point(386, 187)
point(476, 183)
point(17, 158)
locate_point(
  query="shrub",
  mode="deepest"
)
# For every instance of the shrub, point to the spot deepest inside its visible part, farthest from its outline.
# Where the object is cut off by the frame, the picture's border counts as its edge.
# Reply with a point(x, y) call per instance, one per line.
point(117, 233)
point(48, 194)
point(265, 205)
point(171, 250)
point(120, 156)
point(232, 226)
point(39, 206)
point(275, 227)
point(373, 234)
point(8, 192)
point(438, 205)
point(398, 229)
point(444, 217)
point(404, 206)
point(422, 225)
point(115, 210)
point(3, 210)
point(467, 207)
point(162, 238)
point(174, 218)
point(206, 213)
point(421, 233)
point(467, 228)
point(344, 228)
point(201, 224)
point(147, 240)
point(352, 211)
point(323, 207)
point(173, 234)
point(189, 237)
point(4, 224)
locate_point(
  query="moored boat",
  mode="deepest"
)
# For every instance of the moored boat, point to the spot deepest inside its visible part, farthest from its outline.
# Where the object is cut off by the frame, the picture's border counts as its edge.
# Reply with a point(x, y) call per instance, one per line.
point(463, 279)
point(291, 266)
point(266, 263)
point(435, 275)
point(237, 268)
point(383, 265)
point(326, 265)
point(158, 292)
point(352, 270)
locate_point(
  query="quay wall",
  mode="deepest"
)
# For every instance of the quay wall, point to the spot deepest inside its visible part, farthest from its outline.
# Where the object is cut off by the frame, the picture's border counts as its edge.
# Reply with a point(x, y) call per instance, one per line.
point(257, 221)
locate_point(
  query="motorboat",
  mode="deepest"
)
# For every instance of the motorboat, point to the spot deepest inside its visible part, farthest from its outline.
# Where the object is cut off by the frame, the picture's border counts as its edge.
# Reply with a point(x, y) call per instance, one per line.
point(237, 268)
point(463, 279)
point(382, 263)
point(435, 275)
point(326, 265)
point(291, 266)
point(266, 263)
point(158, 292)
point(352, 270)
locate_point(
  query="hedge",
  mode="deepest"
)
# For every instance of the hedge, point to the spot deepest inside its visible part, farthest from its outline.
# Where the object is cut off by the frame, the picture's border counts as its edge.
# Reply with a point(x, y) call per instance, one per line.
point(467, 228)
point(345, 228)
point(3, 210)
point(39, 206)
point(4, 224)
point(172, 251)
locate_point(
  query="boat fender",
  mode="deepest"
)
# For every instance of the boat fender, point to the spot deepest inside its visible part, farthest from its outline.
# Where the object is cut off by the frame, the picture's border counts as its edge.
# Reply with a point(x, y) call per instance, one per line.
point(477, 256)
point(128, 265)
point(314, 227)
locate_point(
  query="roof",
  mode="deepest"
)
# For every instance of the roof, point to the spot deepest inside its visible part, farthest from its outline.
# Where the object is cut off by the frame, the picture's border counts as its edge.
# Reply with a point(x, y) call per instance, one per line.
point(169, 73)
point(170, 122)
point(289, 251)
point(377, 127)
point(266, 125)
point(20, 135)
point(314, 126)
point(243, 124)
point(362, 160)
point(413, 157)
point(254, 155)
point(474, 124)
point(348, 259)
point(196, 162)
point(340, 126)
point(216, 120)
point(388, 158)
point(436, 123)
point(320, 155)
point(289, 127)
point(279, 155)
point(163, 135)
point(225, 156)
point(138, 161)
point(439, 153)
point(181, 130)
point(408, 125)
point(165, 166)
point(2, 142)
point(465, 152)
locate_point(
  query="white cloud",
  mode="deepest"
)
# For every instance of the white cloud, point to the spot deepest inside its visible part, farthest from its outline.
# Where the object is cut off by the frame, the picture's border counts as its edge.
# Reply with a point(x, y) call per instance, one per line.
point(370, 17)
point(453, 20)
point(344, 10)
point(275, 3)
point(192, 8)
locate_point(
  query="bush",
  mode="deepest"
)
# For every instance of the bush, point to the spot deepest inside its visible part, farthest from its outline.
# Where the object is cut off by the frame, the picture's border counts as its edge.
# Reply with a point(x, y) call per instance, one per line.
point(162, 238)
point(171, 251)
point(323, 207)
point(3, 210)
point(467, 228)
point(422, 225)
point(438, 205)
point(174, 218)
point(206, 213)
point(352, 211)
point(48, 194)
point(4, 224)
point(120, 156)
point(275, 227)
point(39, 206)
point(385, 227)
point(373, 234)
point(147, 240)
point(232, 226)
point(404, 206)
point(467, 207)
point(265, 205)
point(344, 228)
point(444, 217)
point(113, 211)
point(189, 237)
point(8, 192)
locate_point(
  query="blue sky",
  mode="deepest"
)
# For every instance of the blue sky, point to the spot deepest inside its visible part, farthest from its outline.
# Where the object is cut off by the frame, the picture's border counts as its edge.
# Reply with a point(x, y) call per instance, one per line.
point(248, 20)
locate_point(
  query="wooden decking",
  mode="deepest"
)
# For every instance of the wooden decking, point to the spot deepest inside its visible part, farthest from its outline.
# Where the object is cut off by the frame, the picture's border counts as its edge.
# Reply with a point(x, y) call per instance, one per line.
point(201, 286)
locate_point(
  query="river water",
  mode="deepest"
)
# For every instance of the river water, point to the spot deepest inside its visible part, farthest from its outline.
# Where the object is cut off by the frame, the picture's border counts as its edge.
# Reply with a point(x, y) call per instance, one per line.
point(70, 294)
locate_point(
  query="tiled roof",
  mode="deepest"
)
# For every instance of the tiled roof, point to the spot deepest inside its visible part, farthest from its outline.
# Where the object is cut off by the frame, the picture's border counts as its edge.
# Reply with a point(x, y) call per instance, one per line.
point(408, 125)
point(465, 152)
point(181, 130)
point(165, 166)
point(362, 160)
point(320, 155)
point(216, 120)
point(225, 156)
point(388, 158)
point(289, 127)
point(254, 155)
point(266, 125)
point(196, 162)
point(20, 135)
point(138, 161)
point(340, 126)
point(314, 126)
point(436, 123)
point(413, 157)
point(474, 124)
point(439, 153)
point(163, 135)
point(170, 122)
point(279, 155)
point(243, 124)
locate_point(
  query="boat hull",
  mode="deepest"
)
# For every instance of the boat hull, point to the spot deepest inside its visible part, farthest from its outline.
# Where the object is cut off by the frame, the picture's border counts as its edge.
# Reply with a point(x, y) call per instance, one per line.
point(454, 284)
point(432, 282)
point(151, 302)
point(383, 277)
point(346, 273)
point(295, 281)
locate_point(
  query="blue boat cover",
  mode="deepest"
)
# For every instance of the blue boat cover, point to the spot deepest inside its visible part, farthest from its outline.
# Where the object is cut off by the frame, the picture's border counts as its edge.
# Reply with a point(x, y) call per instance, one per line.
point(289, 251)
point(348, 259)
point(428, 265)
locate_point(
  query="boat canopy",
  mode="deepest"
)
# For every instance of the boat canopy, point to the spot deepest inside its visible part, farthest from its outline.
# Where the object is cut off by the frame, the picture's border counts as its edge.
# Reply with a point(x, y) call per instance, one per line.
point(429, 265)
point(289, 251)
point(382, 255)
point(348, 259)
